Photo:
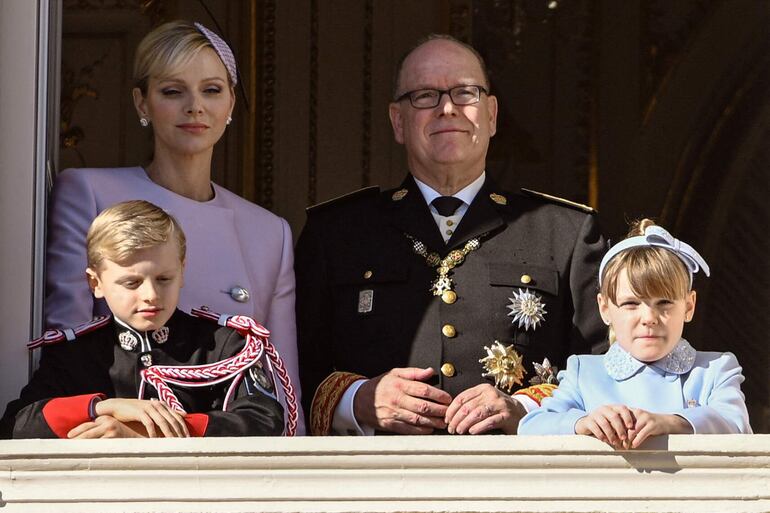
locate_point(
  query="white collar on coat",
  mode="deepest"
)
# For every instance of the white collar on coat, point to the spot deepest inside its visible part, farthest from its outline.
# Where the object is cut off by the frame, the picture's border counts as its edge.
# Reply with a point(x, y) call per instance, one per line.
point(621, 365)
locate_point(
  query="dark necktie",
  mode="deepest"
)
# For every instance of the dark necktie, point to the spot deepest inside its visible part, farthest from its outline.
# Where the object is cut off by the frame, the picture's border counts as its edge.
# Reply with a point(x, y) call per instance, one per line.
point(446, 205)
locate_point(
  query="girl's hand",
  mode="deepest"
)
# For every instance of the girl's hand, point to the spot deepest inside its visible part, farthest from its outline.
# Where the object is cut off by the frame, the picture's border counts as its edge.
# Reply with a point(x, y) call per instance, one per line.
point(152, 415)
point(609, 423)
point(651, 424)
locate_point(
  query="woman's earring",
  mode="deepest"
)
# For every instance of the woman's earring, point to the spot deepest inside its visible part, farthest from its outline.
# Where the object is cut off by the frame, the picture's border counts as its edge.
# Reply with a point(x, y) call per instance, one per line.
point(229, 119)
point(144, 122)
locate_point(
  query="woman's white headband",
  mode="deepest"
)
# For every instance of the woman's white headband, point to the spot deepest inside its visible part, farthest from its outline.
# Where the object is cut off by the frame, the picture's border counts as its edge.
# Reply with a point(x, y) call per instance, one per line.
point(222, 49)
point(658, 237)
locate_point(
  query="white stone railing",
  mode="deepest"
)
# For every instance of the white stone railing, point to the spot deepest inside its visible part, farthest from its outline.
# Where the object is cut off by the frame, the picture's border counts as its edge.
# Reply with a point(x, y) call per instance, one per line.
point(385, 474)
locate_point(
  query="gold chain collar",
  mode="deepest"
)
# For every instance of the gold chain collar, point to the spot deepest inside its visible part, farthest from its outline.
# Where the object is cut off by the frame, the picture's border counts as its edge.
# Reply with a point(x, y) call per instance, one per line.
point(443, 282)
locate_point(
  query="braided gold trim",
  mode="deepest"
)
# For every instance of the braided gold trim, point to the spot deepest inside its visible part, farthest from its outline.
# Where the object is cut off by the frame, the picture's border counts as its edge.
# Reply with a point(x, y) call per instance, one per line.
point(326, 398)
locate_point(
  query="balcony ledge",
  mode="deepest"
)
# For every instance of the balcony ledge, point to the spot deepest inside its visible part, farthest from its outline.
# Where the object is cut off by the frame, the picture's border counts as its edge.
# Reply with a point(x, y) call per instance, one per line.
point(386, 474)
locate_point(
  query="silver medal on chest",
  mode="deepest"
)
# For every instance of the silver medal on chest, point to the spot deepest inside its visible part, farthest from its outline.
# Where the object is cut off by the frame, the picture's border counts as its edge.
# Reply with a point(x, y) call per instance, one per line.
point(527, 309)
point(365, 301)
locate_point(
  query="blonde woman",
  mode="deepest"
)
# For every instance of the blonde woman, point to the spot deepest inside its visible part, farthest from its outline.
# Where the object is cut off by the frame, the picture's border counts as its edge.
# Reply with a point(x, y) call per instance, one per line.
point(239, 255)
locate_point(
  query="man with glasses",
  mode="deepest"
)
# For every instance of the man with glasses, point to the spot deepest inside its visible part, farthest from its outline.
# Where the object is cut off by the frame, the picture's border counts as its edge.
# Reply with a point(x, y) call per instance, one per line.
point(421, 309)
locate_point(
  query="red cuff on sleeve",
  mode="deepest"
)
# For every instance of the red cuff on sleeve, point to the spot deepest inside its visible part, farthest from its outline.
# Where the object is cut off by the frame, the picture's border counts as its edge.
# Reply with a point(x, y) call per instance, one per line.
point(197, 423)
point(65, 413)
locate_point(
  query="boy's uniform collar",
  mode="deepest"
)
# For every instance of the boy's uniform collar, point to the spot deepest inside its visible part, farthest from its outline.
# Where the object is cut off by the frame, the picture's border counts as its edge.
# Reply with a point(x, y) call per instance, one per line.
point(620, 365)
point(130, 339)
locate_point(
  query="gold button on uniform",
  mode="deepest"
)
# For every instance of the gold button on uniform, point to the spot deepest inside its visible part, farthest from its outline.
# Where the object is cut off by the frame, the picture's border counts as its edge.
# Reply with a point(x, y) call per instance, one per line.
point(449, 232)
point(367, 275)
point(525, 279)
point(449, 222)
point(449, 331)
point(449, 296)
point(448, 370)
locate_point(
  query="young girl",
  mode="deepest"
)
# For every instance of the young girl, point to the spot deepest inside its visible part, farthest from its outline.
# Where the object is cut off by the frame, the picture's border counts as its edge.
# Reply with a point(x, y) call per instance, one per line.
point(651, 381)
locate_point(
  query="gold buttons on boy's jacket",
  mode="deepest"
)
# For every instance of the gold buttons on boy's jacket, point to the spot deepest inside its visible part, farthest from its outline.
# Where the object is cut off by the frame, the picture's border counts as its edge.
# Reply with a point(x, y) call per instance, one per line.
point(367, 275)
point(449, 331)
point(448, 370)
point(526, 279)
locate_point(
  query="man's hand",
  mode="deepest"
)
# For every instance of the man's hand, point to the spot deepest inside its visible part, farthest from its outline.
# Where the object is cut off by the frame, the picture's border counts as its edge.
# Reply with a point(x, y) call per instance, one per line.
point(483, 408)
point(107, 427)
point(610, 424)
point(651, 424)
point(152, 415)
point(400, 402)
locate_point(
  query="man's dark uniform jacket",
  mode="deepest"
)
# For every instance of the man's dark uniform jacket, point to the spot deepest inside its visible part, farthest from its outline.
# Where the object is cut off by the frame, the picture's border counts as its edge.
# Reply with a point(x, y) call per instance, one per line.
point(364, 304)
point(72, 373)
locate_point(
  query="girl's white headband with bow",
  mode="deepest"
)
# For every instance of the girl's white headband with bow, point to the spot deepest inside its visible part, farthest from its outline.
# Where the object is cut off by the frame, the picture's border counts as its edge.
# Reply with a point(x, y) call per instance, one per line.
point(657, 236)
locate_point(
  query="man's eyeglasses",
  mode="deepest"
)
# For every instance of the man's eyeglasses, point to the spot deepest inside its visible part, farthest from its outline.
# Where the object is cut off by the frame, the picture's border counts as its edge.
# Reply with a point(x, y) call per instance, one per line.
point(430, 98)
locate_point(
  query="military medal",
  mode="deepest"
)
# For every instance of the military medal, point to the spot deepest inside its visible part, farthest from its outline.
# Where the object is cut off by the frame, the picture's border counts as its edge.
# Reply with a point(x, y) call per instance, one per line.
point(127, 340)
point(504, 365)
point(260, 378)
point(160, 335)
point(546, 374)
point(443, 282)
point(527, 309)
point(365, 300)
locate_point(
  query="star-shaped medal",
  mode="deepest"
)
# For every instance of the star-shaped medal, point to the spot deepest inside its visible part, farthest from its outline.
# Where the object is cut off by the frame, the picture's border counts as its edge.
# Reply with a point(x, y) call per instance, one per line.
point(546, 374)
point(504, 365)
point(527, 309)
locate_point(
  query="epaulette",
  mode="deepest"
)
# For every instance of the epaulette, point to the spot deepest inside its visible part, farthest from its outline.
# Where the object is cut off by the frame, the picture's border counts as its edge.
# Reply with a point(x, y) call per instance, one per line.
point(366, 191)
point(54, 336)
point(560, 201)
point(205, 313)
point(241, 323)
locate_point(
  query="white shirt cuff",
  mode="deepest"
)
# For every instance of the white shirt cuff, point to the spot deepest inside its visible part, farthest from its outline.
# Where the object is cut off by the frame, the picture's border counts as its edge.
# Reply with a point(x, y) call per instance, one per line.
point(344, 421)
point(528, 403)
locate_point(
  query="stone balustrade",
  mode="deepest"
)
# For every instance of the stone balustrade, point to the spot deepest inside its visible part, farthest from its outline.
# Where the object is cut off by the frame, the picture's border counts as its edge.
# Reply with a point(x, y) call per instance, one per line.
point(385, 474)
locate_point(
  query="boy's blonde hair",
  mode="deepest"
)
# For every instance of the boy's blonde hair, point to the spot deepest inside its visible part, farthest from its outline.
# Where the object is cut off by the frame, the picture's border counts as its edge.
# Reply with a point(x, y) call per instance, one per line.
point(652, 271)
point(167, 49)
point(127, 227)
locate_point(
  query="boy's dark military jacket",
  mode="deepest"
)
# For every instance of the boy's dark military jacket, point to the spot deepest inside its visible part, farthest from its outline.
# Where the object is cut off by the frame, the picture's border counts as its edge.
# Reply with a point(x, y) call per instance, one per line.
point(71, 373)
point(358, 244)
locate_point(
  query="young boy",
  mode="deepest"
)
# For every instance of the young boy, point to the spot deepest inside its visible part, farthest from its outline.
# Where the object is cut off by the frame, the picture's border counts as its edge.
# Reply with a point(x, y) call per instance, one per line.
point(103, 379)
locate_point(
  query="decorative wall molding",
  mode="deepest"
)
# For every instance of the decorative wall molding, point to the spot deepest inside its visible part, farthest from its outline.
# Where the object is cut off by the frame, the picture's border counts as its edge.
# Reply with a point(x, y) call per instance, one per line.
point(267, 115)
point(366, 96)
point(312, 175)
point(386, 474)
point(461, 19)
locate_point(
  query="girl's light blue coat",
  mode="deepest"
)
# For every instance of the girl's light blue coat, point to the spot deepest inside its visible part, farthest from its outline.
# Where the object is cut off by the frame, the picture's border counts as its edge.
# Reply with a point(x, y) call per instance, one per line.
point(703, 387)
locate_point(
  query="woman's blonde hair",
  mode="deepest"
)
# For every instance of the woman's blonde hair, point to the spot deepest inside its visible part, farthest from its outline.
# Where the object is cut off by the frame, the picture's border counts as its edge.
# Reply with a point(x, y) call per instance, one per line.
point(125, 228)
point(652, 271)
point(166, 49)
